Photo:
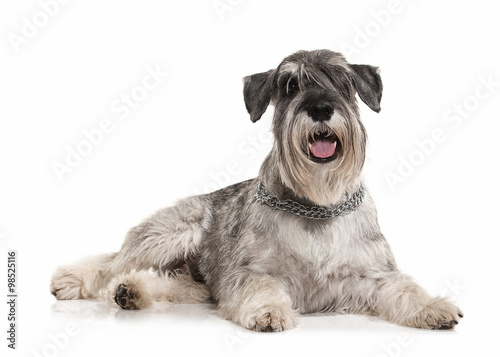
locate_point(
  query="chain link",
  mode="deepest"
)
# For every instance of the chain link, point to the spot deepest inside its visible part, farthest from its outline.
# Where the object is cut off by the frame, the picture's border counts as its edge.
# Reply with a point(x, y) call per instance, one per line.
point(312, 212)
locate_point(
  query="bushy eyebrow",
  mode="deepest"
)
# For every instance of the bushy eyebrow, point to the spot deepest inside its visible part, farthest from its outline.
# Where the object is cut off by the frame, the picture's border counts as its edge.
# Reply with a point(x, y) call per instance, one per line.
point(324, 75)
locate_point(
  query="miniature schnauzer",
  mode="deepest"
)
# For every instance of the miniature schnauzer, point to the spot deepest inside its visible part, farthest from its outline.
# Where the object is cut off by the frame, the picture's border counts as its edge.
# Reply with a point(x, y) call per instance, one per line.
point(302, 237)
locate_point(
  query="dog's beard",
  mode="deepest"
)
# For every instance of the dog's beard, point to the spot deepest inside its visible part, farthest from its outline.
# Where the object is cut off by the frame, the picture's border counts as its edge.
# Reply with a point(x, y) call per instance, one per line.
point(321, 172)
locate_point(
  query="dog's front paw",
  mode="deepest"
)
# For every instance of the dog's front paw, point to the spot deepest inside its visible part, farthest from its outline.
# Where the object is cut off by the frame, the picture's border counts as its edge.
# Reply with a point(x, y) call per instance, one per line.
point(271, 318)
point(439, 314)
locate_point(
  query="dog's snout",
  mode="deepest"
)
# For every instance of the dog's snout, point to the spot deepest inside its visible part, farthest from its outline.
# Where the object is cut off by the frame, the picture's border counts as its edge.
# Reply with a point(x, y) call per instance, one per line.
point(320, 110)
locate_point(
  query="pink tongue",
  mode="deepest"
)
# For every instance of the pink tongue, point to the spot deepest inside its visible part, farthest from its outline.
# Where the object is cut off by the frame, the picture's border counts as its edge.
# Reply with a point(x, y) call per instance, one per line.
point(322, 148)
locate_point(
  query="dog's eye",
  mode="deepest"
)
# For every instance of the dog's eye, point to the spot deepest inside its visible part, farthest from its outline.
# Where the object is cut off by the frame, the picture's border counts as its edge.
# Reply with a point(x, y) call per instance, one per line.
point(292, 86)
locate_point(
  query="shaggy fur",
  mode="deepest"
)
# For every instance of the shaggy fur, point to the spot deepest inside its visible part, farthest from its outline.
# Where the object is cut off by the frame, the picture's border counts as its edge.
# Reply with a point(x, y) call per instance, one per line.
point(264, 267)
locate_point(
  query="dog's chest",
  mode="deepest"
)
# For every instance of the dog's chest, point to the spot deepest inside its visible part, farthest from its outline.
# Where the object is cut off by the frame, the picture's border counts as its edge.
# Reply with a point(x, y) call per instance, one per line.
point(324, 249)
point(313, 261)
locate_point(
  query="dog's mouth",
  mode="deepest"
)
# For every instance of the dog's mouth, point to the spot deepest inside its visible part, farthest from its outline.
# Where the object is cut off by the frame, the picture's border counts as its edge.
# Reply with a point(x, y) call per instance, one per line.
point(323, 147)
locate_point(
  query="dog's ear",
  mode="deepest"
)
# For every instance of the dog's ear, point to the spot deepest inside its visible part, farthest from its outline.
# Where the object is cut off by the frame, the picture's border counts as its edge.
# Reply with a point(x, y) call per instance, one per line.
point(257, 91)
point(368, 85)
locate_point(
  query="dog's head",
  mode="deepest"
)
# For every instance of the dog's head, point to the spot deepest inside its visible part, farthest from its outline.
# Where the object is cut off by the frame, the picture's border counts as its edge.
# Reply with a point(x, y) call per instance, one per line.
point(318, 133)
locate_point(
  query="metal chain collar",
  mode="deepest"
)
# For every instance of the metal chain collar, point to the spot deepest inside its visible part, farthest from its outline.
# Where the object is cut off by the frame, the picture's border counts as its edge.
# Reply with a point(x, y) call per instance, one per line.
point(312, 212)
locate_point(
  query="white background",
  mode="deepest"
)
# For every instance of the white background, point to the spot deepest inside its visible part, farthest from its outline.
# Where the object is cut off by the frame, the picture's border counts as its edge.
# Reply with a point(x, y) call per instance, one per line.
point(440, 218)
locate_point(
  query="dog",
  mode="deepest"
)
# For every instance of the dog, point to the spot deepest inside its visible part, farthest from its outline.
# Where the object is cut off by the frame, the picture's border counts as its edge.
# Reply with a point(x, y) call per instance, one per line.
point(300, 238)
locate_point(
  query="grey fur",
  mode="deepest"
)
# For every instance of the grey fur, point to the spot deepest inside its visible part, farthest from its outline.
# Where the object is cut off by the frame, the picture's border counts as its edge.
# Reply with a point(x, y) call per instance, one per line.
point(263, 267)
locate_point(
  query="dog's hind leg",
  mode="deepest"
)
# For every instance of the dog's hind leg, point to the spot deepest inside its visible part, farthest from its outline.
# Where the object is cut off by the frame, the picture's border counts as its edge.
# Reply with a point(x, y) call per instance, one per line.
point(139, 289)
point(82, 280)
point(167, 240)
point(164, 242)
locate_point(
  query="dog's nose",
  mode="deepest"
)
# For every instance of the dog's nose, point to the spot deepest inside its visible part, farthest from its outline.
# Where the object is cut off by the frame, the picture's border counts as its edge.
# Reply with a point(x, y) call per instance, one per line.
point(320, 111)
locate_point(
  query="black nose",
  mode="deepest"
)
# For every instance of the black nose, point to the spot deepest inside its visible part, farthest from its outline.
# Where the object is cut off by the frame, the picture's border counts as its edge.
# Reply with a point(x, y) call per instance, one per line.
point(320, 111)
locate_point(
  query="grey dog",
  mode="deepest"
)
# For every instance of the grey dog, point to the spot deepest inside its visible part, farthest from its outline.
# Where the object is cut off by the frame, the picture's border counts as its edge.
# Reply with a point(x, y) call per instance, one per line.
point(302, 237)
